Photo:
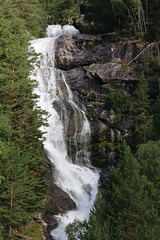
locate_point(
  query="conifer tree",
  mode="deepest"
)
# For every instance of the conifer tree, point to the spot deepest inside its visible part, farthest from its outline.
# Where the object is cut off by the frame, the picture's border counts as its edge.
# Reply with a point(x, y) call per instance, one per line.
point(26, 16)
point(149, 157)
point(129, 209)
point(95, 229)
point(141, 115)
point(16, 92)
point(22, 187)
point(20, 194)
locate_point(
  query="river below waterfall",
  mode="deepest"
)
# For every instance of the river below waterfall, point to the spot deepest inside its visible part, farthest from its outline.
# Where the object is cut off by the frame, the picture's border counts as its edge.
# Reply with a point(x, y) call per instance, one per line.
point(68, 133)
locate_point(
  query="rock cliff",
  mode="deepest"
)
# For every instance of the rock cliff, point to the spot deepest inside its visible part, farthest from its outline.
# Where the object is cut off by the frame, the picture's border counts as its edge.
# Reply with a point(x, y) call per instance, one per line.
point(93, 65)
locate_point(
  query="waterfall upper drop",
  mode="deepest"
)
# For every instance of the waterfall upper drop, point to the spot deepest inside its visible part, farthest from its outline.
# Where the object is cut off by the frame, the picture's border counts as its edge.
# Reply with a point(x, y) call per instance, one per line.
point(68, 133)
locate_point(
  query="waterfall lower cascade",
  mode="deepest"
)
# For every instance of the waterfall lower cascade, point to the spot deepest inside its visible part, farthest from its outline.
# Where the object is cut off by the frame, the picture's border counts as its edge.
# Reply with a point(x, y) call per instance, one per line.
point(67, 135)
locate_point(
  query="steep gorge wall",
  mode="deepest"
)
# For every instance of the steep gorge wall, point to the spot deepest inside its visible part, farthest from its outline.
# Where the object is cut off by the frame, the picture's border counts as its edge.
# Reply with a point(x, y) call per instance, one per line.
point(93, 65)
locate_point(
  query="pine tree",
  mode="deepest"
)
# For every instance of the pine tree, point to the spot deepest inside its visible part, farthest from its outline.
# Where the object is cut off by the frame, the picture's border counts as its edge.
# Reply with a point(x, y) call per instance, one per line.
point(129, 211)
point(22, 187)
point(141, 116)
point(149, 157)
point(25, 15)
point(16, 93)
point(95, 229)
point(21, 193)
point(129, 208)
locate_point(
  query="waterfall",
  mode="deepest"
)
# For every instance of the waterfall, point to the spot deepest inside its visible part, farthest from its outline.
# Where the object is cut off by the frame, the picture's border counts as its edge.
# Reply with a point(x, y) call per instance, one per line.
point(68, 133)
point(112, 154)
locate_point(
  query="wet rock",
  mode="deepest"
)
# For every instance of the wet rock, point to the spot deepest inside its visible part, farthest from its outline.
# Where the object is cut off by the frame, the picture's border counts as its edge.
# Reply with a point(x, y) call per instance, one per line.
point(76, 78)
point(59, 203)
point(71, 116)
point(108, 115)
point(73, 119)
point(123, 126)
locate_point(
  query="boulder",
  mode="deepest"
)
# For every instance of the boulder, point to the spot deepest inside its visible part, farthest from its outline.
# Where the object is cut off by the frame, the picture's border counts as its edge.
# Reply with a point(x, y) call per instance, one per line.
point(108, 119)
point(77, 50)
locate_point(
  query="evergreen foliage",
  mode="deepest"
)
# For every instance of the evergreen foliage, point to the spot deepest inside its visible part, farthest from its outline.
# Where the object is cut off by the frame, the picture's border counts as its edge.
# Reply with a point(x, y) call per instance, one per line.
point(132, 17)
point(27, 16)
point(140, 110)
point(22, 186)
point(116, 99)
point(129, 211)
point(61, 11)
point(128, 205)
point(137, 18)
point(149, 157)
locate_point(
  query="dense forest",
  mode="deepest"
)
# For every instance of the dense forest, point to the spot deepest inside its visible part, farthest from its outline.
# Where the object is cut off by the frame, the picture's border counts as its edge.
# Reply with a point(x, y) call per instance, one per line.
point(129, 207)
point(22, 183)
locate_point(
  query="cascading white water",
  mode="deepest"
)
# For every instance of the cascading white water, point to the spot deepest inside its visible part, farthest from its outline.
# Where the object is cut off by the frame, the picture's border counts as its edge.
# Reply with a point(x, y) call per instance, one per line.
point(73, 172)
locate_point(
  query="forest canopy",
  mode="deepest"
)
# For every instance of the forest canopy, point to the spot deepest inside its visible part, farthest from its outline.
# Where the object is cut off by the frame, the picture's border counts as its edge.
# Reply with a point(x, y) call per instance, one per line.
point(23, 187)
point(140, 18)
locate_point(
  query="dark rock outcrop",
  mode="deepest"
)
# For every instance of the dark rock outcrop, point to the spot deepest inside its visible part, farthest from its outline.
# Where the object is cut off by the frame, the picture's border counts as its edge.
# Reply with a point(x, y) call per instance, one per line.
point(92, 65)
point(80, 50)
point(107, 118)
point(58, 203)
point(95, 65)
point(76, 78)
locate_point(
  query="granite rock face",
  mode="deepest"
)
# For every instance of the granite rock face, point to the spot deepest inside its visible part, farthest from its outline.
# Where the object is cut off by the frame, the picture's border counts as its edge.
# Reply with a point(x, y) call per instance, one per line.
point(92, 65)
point(80, 50)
